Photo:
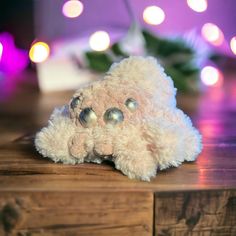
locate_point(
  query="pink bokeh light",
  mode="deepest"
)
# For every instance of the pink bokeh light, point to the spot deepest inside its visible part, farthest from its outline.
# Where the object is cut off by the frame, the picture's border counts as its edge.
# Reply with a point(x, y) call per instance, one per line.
point(12, 59)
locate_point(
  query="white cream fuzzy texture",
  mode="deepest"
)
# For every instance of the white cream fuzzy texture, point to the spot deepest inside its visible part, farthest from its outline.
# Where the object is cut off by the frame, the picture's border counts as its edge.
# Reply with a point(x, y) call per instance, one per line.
point(155, 136)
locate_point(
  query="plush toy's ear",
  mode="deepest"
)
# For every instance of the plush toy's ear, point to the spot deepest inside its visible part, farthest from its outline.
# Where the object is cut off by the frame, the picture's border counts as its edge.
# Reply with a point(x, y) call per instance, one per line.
point(147, 74)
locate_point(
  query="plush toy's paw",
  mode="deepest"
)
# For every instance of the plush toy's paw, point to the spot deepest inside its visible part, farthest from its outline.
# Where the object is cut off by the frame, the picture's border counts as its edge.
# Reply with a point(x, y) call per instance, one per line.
point(103, 146)
point(52, 141)
point(141, 168)
point(132, 156)
point(103, 149)
point(77, 147)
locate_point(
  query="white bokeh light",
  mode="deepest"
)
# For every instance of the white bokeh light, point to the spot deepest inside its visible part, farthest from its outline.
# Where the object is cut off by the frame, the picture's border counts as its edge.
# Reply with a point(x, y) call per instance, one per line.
point(233, 44)
point(197, 5)
point(99, 41)
point(39, 52)
point(72, 8)
point(153, 15)
point(213, 34)
point(210, 75)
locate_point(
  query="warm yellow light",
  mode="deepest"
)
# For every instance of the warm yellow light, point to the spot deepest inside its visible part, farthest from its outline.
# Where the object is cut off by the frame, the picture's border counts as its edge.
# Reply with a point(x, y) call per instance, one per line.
point(72, 8)
point(197, 5)
point(39, 52)
point(212, 34)
point(99, 41)
point(233, 44)
point(153, 15)
point(210, 75)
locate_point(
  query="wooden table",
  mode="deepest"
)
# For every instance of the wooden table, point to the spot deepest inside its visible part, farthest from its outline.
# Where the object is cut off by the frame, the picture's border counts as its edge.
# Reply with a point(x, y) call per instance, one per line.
point(38, 197)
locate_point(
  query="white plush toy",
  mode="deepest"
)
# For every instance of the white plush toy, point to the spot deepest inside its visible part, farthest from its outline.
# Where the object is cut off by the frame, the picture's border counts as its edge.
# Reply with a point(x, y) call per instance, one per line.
point(129, 117)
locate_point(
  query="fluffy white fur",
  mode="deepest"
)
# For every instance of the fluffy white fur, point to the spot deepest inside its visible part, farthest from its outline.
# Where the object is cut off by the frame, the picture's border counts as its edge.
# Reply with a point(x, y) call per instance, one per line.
point(156, 136)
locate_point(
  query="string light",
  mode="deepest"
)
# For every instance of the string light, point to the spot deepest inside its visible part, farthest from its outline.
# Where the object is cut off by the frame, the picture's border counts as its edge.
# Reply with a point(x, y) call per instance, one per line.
point(39, 52)
point(197, 5)
point(99, 41)
point(233, 44)
point(12, 59)
point(153, 15)
point(1, 50)
point(211, 76)
point(213, 34)
point(72, 8)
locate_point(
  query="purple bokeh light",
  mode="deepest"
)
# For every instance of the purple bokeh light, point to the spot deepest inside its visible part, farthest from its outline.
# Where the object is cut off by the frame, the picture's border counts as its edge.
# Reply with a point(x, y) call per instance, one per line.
point(12, 59)
point(112, 16)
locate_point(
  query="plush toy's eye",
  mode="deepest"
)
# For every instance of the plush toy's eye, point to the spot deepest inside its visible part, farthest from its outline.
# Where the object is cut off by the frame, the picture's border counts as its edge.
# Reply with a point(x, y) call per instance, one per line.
point(113, 116)
point(131, 104)
point(75, 102)
point(87, 117)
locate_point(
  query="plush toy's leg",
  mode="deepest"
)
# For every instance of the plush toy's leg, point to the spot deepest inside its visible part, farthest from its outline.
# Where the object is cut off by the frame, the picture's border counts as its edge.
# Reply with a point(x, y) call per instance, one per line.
point(191, 136)
point(193, 144)
point(136, 164)
point(52, 141)
point(165, 141)
point(133, 158)
point(172, 143)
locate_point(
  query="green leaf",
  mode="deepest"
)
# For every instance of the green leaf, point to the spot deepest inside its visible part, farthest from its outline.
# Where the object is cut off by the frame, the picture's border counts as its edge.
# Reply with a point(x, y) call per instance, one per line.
point(175, 55)
point(180, 80)
point(217, 58)
point(164, 47)
point(117, 50)
point(98, 61)
point(152, 42)
point(187, 69)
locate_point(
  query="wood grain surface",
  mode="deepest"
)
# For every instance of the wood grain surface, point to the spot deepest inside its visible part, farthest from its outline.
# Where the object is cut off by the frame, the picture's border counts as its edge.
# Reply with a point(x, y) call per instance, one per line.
point(73, 213)
point(56, 195)
point(195, 213)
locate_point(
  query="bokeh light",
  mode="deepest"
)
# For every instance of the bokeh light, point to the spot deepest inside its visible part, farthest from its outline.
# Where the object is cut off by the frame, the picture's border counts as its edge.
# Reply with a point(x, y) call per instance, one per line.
point(197, 5)
point(233, 44)
point(39, 52)
point(12, 59)
point(153, 15)
point(1, 50)
point(99, 41)
point(72, 8)
point(211, 76)
point(213, 34)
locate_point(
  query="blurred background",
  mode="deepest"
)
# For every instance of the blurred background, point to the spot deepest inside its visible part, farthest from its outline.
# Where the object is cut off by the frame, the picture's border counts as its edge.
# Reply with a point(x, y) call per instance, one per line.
point(66, 43)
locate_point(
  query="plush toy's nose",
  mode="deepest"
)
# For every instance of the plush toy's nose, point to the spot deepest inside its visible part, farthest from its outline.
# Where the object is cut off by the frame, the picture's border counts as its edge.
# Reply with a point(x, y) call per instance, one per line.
point(113, 116)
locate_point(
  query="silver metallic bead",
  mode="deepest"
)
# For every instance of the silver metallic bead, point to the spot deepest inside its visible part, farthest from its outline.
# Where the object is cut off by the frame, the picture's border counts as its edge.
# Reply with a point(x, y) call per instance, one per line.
point(87, 117)
point(75, 102)
point(113, 116)
point(131, 104)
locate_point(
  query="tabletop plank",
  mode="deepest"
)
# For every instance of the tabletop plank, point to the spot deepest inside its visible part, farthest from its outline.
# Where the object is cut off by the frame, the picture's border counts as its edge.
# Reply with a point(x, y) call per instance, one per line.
point(73, 213)
point(26, 111)
point(196, 213)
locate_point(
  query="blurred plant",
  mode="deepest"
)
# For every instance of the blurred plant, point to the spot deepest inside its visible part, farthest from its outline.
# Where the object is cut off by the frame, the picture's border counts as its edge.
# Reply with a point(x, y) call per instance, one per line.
point(177, 55)
point(181, 56)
